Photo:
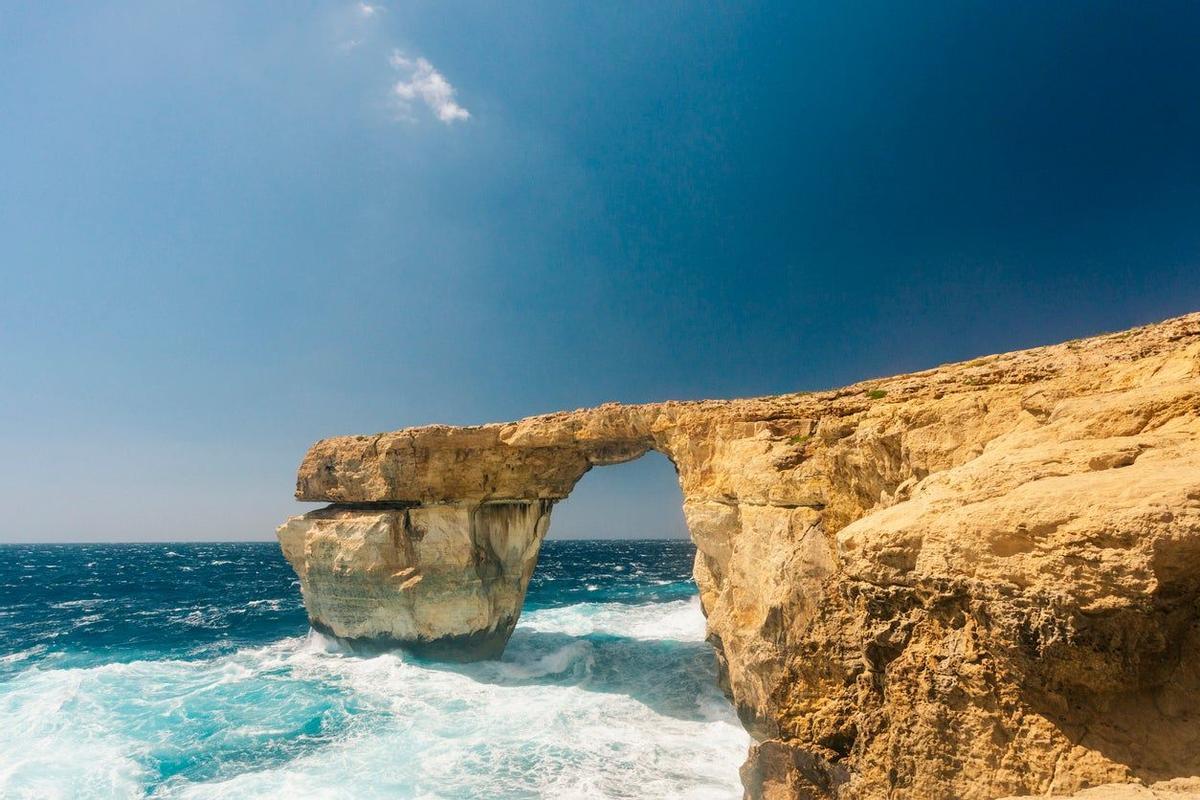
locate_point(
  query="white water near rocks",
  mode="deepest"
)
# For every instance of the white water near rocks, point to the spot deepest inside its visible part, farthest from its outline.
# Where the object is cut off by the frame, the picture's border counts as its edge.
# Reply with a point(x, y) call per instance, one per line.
point(591, 700)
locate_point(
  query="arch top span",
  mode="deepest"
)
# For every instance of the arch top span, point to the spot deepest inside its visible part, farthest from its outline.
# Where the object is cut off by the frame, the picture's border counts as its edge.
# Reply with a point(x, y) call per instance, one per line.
point(869, 560)
point(536, 458)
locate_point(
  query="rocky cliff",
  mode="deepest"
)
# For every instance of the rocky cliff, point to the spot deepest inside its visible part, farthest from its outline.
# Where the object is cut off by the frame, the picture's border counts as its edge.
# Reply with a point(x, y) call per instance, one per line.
point(974, 581)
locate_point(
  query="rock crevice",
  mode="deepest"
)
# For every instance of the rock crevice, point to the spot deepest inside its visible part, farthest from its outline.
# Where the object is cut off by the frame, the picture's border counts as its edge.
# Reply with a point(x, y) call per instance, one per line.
point(973, 581)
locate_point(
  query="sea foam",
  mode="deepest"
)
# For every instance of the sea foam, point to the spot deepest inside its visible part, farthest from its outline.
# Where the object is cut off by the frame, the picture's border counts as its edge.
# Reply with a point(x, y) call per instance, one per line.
point(133, 677)
point(591, 700)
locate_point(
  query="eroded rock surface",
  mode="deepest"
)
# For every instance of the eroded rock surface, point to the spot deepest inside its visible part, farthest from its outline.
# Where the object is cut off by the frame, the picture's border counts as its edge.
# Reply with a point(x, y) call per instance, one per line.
point(445, 580)
point(975, 581)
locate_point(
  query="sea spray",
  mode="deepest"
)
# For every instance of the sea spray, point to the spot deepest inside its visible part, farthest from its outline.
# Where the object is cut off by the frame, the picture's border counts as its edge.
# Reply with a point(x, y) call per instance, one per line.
point(222, 691)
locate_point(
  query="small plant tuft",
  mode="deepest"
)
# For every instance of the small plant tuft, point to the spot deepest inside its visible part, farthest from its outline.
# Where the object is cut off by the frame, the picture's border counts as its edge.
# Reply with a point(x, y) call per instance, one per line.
point(876, 394)
point(800, 438)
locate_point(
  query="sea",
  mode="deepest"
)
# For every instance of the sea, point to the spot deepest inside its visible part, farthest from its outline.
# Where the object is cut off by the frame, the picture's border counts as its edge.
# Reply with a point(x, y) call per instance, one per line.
point(189, 671)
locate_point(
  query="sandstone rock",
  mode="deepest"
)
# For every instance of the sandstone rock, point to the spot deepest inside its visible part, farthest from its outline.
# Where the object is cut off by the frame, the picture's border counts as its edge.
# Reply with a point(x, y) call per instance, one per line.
point(974, 581)
point(1178, 789)
point(446, 581)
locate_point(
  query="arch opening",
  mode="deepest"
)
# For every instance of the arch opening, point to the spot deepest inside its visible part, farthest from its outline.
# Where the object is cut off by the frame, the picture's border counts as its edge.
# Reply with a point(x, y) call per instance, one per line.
point(637, 499)
point(612, 609)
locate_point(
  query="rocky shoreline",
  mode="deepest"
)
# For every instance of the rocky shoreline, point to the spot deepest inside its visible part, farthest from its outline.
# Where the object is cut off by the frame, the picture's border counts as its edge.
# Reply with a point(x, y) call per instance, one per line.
point(969, 582)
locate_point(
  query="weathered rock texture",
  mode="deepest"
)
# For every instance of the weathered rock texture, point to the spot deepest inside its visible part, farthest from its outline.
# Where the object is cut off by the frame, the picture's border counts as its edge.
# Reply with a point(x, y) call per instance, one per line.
point(446, 580)
point(975, 581)
point(1177, 789)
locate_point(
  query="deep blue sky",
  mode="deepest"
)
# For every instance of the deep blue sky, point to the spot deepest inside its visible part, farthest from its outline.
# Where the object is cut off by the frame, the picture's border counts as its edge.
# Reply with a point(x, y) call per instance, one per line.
point(224, 234)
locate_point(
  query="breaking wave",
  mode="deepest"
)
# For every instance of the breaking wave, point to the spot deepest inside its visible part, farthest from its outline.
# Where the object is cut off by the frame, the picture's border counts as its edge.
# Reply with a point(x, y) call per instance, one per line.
point(609, 699)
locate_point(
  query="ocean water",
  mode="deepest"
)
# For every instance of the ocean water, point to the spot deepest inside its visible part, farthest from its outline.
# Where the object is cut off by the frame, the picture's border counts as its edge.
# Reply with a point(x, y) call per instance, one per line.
point(189, 671)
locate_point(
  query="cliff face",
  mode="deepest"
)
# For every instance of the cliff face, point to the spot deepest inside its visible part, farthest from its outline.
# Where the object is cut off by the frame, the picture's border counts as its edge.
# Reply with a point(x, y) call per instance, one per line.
point(974, 581)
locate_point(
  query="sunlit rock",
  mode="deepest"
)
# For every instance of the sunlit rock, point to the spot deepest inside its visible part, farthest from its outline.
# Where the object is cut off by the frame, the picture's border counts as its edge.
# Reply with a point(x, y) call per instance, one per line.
point(446, 581)
point(974, 581)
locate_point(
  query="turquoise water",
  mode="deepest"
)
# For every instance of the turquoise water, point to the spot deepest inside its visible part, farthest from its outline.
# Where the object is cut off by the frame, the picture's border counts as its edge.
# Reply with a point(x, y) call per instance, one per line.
point(188, 670)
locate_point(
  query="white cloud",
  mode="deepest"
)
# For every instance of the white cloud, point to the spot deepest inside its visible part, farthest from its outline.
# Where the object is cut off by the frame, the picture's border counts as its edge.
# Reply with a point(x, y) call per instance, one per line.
point(368, 10)
point(424, 83)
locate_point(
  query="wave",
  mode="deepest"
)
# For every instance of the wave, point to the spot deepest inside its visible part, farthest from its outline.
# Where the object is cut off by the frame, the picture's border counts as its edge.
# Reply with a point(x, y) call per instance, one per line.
point(680, 620)
point(592, 700)
point(204, 617)
point(271, 604)
point(86, 603)
point(22, 655)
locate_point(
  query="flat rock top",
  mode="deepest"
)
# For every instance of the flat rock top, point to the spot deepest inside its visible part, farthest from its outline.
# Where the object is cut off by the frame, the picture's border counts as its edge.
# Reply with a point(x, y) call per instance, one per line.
point(543, 456)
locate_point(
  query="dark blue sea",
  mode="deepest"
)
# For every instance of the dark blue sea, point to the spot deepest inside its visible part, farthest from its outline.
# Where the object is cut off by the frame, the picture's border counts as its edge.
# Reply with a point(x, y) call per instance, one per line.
point(189, 670)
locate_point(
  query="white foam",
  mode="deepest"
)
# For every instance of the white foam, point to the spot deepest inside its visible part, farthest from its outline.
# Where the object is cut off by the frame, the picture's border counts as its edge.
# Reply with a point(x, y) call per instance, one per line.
point(633, 713)
point(50, 750)
point(680, 620)
point(207, 617)
point(21, 655)
point(86, 603)
point(566, 658)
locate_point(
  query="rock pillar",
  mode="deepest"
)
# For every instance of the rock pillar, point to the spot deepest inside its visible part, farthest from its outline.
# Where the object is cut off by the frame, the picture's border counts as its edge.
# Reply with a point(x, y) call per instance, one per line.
point(443, 580)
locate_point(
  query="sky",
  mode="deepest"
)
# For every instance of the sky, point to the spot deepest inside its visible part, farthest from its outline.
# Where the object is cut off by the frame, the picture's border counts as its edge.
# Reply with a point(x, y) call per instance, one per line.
point(228, 229)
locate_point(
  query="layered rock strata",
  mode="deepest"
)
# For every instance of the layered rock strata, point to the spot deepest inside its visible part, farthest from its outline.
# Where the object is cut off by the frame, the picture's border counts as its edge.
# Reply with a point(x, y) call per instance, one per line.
point(974, 581)
point(446, 580)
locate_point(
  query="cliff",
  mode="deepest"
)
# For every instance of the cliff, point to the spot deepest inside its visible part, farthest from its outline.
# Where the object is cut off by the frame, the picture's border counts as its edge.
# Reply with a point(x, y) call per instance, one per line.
point(974, 581)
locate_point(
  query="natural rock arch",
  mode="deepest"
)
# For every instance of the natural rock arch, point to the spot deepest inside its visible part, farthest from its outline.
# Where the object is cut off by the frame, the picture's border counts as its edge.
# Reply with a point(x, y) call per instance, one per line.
point(442, 567)
point(938, 585)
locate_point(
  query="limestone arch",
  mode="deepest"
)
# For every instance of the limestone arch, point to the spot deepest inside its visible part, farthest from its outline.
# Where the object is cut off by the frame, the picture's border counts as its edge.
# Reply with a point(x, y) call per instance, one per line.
point(849, 534)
